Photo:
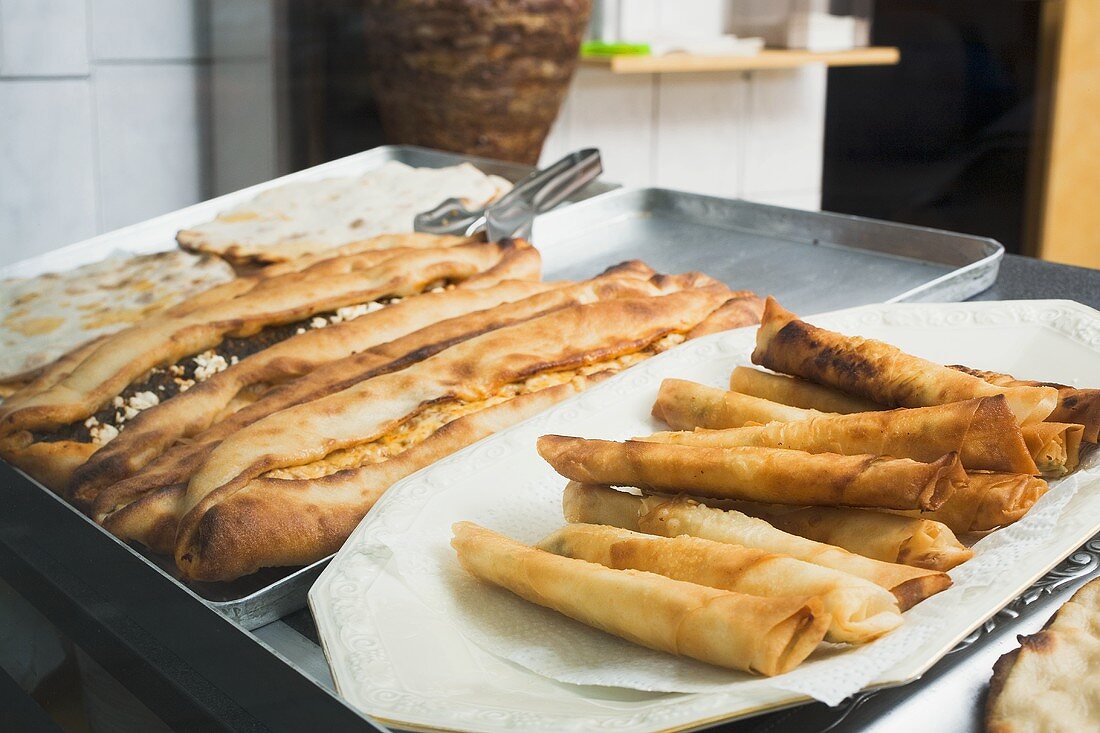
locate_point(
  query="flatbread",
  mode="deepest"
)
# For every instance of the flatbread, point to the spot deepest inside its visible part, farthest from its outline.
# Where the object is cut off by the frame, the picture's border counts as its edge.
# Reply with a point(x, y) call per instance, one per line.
point(44, 317)
point(165, 355)
point(303, 218)
point(1052, 682)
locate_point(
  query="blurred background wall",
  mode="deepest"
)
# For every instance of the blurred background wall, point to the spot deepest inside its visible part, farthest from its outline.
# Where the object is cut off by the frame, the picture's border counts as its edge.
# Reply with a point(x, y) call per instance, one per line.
point(114, 111)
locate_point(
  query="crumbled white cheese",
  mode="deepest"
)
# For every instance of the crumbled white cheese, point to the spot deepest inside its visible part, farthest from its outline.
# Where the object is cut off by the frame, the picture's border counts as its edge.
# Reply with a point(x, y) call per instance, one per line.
point(118, 401)
point(91, 422)
point(300, 331)
point(128, 412)
point(176, 370)
point(184, 384)
point(233, 360)
point(318, 322)
point(438, 289)
point(144, 400)
point(209, 363)
point(103, 434)
point(351, 312)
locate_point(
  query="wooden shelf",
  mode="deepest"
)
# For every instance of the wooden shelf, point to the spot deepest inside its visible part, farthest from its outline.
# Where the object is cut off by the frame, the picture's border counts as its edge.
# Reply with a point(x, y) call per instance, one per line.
point(769, 58)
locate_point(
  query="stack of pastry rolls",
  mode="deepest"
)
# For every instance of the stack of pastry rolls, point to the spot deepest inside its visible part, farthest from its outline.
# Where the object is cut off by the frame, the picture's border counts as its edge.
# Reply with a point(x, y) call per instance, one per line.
point(822, 498)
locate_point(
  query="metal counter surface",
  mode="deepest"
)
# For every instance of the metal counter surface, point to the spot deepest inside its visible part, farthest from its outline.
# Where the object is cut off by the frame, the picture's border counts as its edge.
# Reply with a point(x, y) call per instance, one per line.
point(198, 671)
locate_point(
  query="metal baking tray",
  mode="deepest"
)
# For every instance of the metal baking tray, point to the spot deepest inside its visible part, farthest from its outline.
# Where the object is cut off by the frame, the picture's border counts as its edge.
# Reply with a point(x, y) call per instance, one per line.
point(812, 261)
point(270, 594)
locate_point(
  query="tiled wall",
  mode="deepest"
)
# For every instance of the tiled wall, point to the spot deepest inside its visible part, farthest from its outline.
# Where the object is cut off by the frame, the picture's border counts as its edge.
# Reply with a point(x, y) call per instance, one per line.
point(756, 135)
point(103, 117)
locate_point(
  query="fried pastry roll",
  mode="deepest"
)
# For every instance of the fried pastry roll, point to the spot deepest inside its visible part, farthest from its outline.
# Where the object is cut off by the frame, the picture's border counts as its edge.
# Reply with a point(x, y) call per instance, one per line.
point(674, 517)
point(988, 501)
point(1055, 446)
point(878, 371)
point(772, 475)
point(1075, 405)
point(982, 431)
point(684, 405)
point(765, 635)
point(796, 392)
point(916, 541)
point(859, 610)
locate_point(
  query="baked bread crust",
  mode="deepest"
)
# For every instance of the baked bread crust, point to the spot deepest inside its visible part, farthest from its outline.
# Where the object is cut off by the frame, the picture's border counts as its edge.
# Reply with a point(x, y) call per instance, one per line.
point(70, 393)
point(236, 519)
point(154, 431)
point(1050, 682)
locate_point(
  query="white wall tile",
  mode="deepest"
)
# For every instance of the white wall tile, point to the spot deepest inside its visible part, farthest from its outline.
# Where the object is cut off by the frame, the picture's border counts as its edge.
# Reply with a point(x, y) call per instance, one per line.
point(785, 130)
point(615, 114)
point(47, 188)
point(151, 140)
point(244, 139)
point(148, 29)
point(242, 28)
point(700, 121)
point(43, 38)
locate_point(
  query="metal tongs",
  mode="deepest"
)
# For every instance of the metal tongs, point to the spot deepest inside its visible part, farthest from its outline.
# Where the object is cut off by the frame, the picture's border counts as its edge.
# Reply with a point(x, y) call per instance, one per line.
point(513, 214)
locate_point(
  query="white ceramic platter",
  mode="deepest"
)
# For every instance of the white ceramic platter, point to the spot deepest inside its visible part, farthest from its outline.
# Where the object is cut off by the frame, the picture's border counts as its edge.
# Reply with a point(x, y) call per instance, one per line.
point(415, 665)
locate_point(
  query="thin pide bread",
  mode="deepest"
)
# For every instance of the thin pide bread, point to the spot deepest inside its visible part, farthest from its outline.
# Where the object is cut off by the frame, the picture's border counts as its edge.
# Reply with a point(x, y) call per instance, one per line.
point(161, 445)
point(302, 218)
point(50, 431)
point(385, 427)
point(44, 317)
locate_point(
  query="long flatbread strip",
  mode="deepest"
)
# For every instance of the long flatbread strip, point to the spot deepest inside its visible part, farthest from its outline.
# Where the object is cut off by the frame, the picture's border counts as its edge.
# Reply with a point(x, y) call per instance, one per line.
point(916, 541)
point(684, 405)
point(982, 431)
point(987, 501)
point(308, 444)
point(1075, 405)
point(155, 430)
point(796, 392)
point(153, 427)
point(673, 517)
point(773, 475)
point(765, 635)
point(313, 517)
point(164, 339)
point(388, 339)
point(859, 610)
point(878, 371)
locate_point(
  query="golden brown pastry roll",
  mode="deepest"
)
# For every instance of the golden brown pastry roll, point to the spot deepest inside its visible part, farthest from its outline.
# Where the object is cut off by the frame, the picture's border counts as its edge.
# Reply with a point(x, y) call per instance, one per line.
point(859, 610)
point(982, 431)
point(922, 543)
point(1055, 446)
point(766, 635)
point(684, 405)
point(878, 371)
point(772, 475)
point(796, 392)
point(1075, 405)
point(987, 501)
point(673, 517)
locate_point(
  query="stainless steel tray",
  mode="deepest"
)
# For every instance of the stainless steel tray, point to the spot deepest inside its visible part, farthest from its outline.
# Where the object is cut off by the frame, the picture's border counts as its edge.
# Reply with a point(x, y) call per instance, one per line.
point(812, 261)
